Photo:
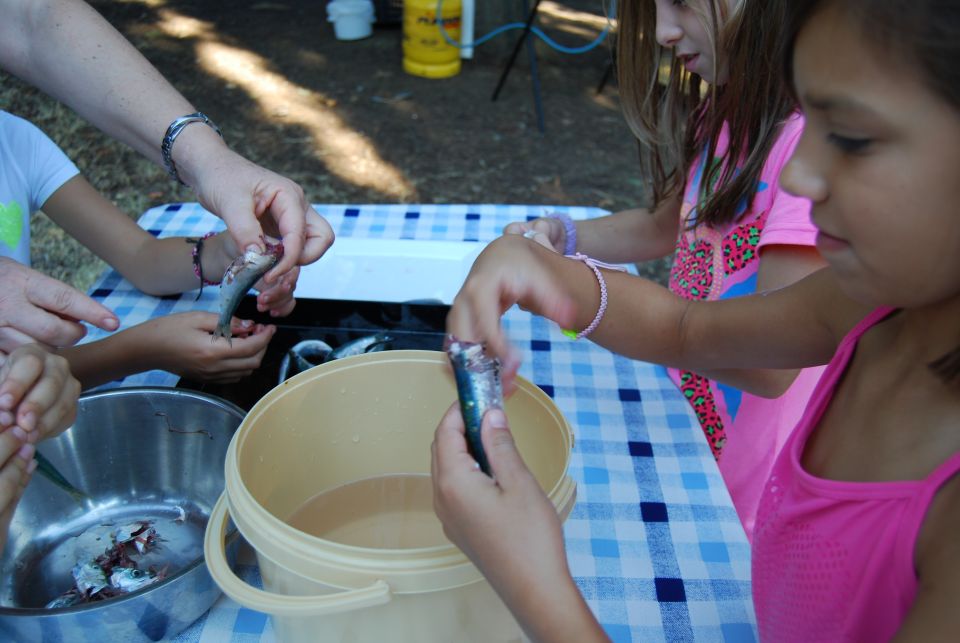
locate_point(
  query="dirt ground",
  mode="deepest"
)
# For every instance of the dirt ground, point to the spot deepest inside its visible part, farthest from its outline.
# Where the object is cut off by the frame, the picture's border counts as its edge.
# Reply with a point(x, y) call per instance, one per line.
point(344, 120)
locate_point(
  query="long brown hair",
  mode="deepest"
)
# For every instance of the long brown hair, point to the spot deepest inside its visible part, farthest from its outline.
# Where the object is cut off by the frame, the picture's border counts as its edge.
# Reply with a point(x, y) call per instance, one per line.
point(926, 33)
point(677, 121)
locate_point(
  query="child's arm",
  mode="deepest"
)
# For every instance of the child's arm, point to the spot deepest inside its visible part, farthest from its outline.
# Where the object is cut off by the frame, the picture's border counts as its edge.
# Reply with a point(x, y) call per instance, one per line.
point(797, 326)
point(633, 235)
point(934, 615)
point(155, 266)
point(780, 266)
point(525, 563)
point(180, 343)
point(38, 394)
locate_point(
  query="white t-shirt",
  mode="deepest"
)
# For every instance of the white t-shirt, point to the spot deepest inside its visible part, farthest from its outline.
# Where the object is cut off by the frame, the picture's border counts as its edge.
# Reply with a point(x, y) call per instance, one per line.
point(32, 168)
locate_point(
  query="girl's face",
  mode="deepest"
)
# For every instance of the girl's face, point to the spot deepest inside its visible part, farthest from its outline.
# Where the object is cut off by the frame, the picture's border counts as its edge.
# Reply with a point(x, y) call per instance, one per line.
point(880, 159)
point(683, 28)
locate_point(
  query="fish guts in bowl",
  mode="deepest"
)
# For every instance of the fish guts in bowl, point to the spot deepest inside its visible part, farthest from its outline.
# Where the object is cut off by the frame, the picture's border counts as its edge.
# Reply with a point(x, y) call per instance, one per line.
point(124, 560)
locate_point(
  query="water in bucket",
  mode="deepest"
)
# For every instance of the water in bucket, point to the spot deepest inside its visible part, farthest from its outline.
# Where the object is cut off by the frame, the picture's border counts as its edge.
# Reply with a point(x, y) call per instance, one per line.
point(383, 512)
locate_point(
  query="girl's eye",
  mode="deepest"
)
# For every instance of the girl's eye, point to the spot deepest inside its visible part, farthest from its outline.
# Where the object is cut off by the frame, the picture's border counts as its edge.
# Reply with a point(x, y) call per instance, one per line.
point(849, 145)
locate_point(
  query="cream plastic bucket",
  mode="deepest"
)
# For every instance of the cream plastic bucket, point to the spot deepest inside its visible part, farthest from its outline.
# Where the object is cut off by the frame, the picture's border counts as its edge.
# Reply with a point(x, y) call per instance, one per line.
point(348, 420)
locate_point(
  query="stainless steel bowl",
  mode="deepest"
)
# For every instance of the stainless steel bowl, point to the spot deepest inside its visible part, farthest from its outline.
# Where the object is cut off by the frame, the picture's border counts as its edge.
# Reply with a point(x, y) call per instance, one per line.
point(140, 454)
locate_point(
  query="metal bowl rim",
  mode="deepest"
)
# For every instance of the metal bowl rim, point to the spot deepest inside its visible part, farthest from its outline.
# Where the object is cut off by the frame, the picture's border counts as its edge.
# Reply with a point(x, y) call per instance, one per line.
point(231, 535)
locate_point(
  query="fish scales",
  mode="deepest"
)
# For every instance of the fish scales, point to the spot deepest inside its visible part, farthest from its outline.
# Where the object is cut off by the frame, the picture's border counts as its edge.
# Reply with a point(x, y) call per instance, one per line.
point(246, 270)
point(479, 388)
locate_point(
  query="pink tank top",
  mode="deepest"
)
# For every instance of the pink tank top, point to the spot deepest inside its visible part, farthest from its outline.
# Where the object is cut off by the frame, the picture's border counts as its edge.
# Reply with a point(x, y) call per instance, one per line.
point(833, 561)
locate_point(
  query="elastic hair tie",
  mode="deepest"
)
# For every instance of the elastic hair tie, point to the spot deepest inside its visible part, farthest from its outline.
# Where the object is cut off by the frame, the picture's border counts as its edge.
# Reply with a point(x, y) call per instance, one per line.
point(595, 266)
point(571, 232)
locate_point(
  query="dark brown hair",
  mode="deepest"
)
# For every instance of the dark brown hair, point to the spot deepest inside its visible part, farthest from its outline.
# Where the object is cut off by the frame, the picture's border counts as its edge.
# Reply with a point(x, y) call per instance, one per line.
point(922, 33)
point(677, 120)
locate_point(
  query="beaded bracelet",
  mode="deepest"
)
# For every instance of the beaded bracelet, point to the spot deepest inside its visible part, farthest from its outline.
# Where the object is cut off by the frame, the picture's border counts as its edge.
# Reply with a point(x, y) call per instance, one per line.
point(197, 263)
point(595, 266)
point(173, 131)
point(571, 231)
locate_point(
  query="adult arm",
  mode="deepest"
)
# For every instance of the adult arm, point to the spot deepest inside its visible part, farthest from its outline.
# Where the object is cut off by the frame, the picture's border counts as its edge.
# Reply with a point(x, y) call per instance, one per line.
point(36, 308)
point(68, 50)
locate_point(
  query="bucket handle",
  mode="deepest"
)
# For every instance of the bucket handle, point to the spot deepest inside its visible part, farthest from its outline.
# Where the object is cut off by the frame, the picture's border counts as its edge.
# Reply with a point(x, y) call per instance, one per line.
point(277, 604)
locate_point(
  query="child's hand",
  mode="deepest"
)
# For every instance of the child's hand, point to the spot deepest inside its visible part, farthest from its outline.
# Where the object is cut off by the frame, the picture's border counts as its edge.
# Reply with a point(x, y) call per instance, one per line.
point(16, 466)
point(546, 231)
point(510, 270)
point(475, 508)
point(278, 297)
point(38, 394)
point(183, 344)
point(509, 528)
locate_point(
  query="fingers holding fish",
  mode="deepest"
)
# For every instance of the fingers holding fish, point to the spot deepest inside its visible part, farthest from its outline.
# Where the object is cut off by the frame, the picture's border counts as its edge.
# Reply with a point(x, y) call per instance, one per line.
point(181, 343)
point(277, 298)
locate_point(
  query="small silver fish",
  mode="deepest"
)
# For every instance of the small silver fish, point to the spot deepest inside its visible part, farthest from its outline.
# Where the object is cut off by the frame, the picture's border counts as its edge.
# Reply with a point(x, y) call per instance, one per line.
point(368, 344)
point(239, 278)
point(478, 387)
point(66, 600)
point(141, 534)
point(302, 357)
point(89, 577)
point(128, 579)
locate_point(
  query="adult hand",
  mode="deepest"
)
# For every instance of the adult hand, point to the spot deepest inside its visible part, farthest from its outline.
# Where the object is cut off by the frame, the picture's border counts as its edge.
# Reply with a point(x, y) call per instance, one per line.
point(36, 308)
point(182, 343)
point(38, 393)
point(254, 201)
point(510, 270)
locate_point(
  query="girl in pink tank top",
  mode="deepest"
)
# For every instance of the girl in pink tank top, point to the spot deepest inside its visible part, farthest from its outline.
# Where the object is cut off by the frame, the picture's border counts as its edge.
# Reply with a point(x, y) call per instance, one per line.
point(857, 535)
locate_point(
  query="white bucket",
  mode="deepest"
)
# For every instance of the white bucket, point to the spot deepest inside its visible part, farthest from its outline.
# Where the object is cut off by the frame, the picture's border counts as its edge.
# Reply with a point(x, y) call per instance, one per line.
point(352, 19)
point(354, 419)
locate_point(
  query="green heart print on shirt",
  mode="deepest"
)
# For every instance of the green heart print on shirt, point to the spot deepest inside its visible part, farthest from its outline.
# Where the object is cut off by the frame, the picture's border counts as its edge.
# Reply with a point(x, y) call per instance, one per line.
point(11, 224)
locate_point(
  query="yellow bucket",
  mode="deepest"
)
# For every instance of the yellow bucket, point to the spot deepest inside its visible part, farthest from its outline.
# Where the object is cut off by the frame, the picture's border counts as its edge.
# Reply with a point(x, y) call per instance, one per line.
point(360, 419)
point(425, 51)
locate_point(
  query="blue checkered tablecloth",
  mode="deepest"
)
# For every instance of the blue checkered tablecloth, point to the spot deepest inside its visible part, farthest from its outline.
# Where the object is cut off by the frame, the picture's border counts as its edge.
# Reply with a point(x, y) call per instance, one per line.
point(653, 541)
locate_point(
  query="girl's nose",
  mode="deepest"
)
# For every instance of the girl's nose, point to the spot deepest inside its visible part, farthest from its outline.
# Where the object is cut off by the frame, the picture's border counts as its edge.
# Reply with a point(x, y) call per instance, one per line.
point(669, 31)
point(801, 178)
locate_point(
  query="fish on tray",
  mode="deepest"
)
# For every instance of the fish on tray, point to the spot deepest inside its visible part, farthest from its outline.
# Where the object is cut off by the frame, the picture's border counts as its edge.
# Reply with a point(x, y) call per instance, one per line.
point(302, 357)
point(369, 344)
point(246, 270)
point(478, 387)
point(313, 352)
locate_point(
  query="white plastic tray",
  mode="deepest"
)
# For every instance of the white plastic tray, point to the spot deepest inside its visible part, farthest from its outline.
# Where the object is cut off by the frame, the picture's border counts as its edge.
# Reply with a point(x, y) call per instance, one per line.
point(389, 270)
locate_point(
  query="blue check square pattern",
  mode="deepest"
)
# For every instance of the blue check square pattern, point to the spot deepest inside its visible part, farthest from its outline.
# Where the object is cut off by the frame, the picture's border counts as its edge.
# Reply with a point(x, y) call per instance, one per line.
point(653, 541)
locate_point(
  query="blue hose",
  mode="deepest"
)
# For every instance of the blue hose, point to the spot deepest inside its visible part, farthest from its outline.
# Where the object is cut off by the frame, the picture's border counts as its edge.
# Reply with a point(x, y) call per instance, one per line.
point(534, 30)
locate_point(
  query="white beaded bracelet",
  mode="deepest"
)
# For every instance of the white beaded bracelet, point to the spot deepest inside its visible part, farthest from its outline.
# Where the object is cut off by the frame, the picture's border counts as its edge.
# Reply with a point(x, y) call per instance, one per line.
point(173, 131)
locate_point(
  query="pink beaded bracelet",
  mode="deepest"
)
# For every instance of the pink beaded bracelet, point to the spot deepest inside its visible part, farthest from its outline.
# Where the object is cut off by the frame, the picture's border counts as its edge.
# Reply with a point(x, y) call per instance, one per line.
point(595, 266)
point(197, 265)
